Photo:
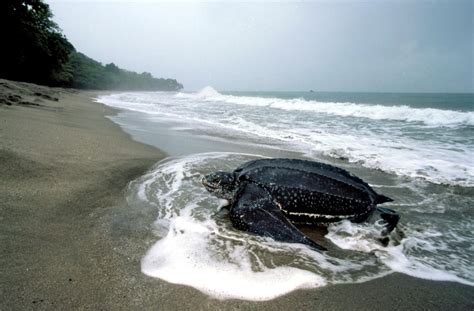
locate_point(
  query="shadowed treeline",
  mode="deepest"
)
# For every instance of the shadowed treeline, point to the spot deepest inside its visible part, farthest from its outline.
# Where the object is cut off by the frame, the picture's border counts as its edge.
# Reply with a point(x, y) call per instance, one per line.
point(35, 50)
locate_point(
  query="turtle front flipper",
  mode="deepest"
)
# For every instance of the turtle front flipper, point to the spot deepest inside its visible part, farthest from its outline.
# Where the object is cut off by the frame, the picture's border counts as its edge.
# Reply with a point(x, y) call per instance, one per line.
point(255, 211)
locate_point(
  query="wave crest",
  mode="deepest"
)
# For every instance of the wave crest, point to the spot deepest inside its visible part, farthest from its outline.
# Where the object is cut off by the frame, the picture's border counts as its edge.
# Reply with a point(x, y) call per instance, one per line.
point(428, 116)
point(208, 92)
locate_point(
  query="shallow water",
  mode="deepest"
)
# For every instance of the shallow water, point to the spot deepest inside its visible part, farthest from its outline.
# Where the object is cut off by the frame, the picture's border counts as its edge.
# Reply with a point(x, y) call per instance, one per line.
point(431, 143)
point(421, 161)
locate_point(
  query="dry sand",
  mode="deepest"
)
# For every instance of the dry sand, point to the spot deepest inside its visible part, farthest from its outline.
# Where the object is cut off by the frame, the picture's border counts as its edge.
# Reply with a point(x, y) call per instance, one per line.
point(69, 240)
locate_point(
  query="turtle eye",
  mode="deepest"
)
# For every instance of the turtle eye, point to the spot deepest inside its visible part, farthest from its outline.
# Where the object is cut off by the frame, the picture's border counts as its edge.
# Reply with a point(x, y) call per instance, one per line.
point(214, 178)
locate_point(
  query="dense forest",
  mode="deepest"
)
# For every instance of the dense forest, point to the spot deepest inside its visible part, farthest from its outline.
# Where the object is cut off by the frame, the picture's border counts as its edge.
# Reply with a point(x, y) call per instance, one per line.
point(35, 50)
point(90, 74)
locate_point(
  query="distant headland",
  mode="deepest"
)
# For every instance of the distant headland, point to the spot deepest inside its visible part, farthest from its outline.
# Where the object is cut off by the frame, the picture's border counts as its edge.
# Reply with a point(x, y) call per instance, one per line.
point(35, 50)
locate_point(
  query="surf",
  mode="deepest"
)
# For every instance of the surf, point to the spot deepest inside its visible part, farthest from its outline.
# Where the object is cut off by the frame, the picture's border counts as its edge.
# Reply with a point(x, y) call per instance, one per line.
point(426, 116)
point(431, 144)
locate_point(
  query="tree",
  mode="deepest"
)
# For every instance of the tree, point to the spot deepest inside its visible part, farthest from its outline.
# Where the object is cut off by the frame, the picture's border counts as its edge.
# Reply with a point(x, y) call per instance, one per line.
point(33, 47)
point(112, 68)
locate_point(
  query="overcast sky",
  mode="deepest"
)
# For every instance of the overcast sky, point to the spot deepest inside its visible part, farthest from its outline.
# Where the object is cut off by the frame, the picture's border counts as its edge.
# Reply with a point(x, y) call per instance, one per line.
point(414, 46)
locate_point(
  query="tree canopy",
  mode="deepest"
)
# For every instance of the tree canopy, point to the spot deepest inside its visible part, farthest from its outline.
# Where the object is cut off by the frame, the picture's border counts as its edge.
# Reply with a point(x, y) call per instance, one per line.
point(33, 47)
point(90, 74)
point(35, 50)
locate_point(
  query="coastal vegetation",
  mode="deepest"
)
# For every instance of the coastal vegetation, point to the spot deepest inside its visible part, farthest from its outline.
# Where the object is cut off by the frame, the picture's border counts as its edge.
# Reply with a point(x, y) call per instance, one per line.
point(90, 74)
point(34, 49)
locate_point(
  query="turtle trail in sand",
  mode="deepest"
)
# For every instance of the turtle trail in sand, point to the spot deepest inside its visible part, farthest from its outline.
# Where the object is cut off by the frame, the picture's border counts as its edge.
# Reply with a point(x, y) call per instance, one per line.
point(268, 196)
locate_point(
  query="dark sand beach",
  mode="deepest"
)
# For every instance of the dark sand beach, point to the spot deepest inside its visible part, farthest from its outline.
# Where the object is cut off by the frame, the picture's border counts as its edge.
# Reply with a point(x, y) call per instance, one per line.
point(69, 240)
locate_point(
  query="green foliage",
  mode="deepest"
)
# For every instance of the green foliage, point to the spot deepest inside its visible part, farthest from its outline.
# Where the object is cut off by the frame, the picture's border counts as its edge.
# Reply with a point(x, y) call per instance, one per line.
point(90, 74)
point(34, 50)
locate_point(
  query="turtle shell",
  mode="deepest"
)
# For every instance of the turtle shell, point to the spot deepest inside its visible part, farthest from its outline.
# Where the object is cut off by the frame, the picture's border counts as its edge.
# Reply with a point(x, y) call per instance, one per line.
point(311, 192)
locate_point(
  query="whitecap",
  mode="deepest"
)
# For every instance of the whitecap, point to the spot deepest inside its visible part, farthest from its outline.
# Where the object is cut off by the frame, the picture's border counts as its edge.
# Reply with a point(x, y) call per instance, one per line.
point(439, 155)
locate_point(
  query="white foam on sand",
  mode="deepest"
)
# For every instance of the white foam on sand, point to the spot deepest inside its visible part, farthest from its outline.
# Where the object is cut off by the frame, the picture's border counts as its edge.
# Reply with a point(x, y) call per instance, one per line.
point(187, 253)
point(181, 257)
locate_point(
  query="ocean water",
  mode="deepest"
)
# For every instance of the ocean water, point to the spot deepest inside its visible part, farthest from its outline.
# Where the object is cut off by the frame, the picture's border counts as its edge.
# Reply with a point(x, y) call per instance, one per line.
point(415, 148)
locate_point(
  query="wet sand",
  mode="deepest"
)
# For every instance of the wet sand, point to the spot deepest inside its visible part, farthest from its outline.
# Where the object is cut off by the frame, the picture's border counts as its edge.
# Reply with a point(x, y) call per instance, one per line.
point(70, 241)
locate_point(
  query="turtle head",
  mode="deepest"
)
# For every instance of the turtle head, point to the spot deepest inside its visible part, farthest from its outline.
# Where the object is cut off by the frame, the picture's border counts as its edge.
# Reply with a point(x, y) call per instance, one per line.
point(221, 184)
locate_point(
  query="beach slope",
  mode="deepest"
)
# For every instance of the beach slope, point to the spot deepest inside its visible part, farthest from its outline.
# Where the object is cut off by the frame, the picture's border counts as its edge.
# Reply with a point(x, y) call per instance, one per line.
point(64, 168)
point(69, 240)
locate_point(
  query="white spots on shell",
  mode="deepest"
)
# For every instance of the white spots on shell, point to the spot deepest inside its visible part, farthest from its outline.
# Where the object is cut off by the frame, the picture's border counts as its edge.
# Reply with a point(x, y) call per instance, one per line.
point(312, 215)
point(279, 206)
point(312, 207)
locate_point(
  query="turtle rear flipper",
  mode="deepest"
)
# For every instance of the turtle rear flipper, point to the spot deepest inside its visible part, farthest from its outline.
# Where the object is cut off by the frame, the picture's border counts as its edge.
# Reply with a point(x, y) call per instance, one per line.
point(256, 212)
point(390, 218)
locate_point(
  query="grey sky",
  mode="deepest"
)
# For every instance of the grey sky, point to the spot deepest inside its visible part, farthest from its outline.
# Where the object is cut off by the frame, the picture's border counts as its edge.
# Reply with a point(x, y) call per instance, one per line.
point(424, 46)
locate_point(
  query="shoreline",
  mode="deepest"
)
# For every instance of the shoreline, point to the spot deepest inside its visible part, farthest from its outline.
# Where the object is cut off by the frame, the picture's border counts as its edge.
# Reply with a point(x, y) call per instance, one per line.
point(69, 239)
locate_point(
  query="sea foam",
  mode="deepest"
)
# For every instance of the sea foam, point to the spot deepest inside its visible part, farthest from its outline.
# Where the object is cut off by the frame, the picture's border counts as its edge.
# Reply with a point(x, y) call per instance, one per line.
point(428, 116)
point(198, 247)
point(190, 251)
point(430, 144)
point(417, 255)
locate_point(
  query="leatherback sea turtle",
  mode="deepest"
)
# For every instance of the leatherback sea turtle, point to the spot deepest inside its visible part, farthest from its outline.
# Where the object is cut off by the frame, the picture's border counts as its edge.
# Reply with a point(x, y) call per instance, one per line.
point(268, 196)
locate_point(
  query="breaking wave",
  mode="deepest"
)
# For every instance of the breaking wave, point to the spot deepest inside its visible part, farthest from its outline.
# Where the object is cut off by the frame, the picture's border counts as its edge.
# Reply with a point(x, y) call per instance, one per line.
point(427, 116)
point(397, 140)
